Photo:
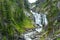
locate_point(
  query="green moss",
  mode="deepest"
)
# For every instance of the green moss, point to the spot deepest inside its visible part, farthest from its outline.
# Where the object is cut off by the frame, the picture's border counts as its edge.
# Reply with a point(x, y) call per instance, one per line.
point(4, 38)
point(42, 38)
point(58, 38)
point(28, 23)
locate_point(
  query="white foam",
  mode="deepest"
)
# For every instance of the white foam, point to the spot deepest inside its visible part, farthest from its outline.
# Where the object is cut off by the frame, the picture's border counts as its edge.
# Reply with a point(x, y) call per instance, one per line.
point(32, 1)
point(38, 29)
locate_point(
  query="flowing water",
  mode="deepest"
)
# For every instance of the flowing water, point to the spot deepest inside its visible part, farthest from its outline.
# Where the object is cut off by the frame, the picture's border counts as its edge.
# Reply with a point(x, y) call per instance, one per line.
point(40, 20)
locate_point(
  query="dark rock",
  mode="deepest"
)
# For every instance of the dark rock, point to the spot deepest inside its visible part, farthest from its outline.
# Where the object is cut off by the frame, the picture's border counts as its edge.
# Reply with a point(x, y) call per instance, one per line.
point(58, 19)
point(21, 38)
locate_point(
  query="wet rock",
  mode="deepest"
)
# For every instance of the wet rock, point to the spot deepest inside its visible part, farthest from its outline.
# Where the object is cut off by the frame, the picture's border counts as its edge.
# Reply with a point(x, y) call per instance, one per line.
point(20, 38)
point(58, 4)
point(58, 19)
point(0, 36)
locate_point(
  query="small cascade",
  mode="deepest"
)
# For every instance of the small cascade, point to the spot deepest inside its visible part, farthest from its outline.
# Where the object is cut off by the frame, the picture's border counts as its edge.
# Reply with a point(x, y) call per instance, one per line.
point(40, 19)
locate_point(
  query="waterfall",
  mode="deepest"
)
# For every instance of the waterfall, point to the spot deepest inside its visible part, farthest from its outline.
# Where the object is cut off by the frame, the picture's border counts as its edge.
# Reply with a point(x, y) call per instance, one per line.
point(38, 17)
point(40, 20)
point(45, 21)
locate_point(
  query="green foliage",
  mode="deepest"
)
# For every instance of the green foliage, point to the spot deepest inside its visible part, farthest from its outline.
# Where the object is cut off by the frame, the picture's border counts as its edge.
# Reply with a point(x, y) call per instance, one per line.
point(26, 4)
point(4, 38)
point(13, 18)
point(50, 7)
point(58, 38)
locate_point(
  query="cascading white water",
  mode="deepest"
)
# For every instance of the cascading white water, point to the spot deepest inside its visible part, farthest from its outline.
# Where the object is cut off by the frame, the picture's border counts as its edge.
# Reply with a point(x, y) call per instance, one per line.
point(38, 20)
point(32, 1)
point(45, 21)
